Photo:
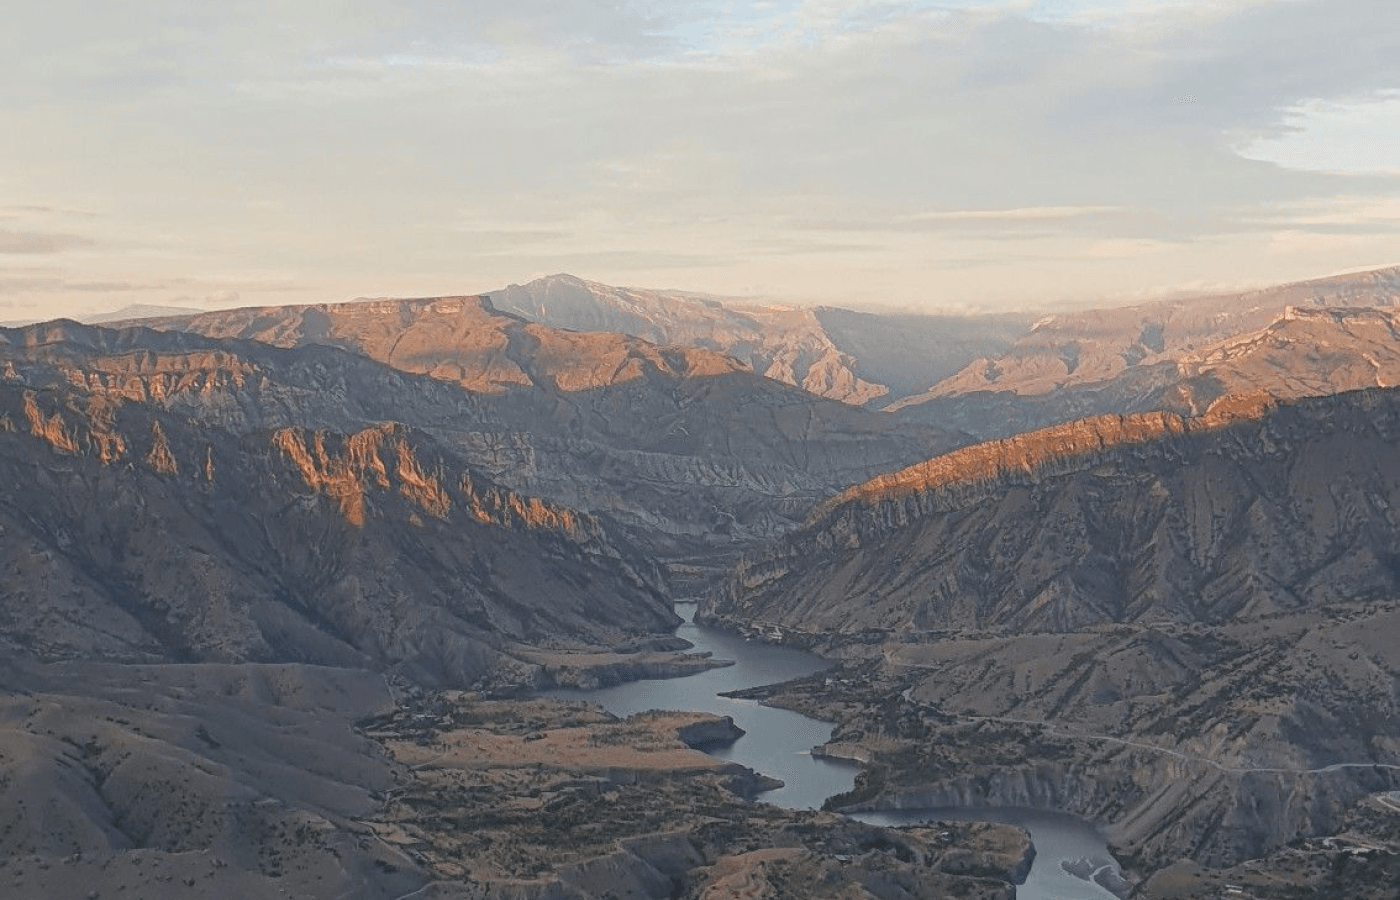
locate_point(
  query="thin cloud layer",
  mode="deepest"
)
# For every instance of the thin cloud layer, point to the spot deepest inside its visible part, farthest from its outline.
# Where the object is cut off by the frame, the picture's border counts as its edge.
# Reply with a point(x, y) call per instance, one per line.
point(36, 242)
point(935, 154)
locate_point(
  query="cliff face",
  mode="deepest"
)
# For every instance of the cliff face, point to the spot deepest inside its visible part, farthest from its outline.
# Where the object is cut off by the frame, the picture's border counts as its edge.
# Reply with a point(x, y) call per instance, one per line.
point(857, 358)
point(136, 534)
point(1184, 629)
point(693, 467)
point(1305, 352)
point(1305, 339)
point(1241, 512)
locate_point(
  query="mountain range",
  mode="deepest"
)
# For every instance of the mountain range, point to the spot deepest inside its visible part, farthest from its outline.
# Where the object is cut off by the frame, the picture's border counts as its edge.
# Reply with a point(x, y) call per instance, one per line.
point(1137, 564)
point(856, 357)
point(691, 453)
point(1174, 354)
point(1250, 509)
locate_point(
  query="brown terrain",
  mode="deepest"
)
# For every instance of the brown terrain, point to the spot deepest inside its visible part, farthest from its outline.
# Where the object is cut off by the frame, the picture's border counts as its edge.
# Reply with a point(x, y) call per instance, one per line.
point(458, 339)
point(695, 457)
point(1183, 628)
point(1307, 339)
point(855, 357)
point(279, 583)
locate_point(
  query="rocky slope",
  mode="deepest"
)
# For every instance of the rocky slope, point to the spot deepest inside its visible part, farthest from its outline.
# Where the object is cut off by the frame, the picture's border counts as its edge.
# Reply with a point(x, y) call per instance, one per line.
point(1181, 628)
point(459, 339)
point(694, 457)
point(134, 534)
point(268, 781)
point(1233, 748)
point(1163, 355)
point(1306, 352)
point(857, 358)
point(1244, 511)
point(193, 781)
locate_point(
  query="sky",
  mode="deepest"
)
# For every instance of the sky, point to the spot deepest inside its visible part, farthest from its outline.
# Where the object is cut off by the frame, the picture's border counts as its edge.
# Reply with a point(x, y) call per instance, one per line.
point(943, 156)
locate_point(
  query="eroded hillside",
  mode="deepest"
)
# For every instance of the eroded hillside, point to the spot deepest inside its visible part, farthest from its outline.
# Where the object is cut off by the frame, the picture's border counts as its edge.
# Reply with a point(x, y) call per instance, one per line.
point(695, 459)
point(135, 534)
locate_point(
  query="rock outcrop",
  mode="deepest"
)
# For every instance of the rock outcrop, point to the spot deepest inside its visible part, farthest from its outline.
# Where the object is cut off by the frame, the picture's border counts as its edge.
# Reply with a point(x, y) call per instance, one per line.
point(134, 534)
point(693, 459)
point(1244, 511)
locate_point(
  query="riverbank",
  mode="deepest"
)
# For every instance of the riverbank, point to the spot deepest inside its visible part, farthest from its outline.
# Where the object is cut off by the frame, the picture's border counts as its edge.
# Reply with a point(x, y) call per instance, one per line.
point(544, 799)
point(764, 691)
point(917, 754)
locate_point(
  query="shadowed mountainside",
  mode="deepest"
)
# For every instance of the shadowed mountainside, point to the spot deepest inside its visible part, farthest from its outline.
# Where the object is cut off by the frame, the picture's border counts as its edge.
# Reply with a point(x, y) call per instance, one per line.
point(135, 534)
point(194, 781)
point(694, 457)
point(1241, 511)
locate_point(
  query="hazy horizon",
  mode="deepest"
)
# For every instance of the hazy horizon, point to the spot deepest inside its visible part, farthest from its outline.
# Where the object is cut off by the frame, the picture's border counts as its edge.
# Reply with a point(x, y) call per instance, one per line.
point(953, 156)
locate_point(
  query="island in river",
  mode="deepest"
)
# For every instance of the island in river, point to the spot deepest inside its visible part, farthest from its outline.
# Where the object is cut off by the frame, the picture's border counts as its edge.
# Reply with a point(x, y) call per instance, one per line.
point(779, 742)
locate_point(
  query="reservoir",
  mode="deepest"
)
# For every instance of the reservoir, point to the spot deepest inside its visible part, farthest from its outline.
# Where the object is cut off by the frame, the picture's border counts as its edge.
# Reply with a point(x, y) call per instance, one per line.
point(778, 743)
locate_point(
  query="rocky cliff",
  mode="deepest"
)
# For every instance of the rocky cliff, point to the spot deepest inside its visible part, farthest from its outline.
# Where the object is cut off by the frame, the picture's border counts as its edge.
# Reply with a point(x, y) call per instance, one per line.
point(133, 533)
point(1243, 511)
point(695, 458)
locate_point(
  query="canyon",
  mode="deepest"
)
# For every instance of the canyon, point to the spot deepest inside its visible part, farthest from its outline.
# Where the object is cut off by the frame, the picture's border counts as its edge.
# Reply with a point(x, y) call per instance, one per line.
point(1180, 627)
point(692, 455)
point(300, 573)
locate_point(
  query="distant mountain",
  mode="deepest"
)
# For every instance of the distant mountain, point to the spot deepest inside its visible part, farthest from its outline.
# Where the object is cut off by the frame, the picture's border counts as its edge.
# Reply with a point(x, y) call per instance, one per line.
point(138, 311)
point(1160, 355)
point(857, 358)
point(1243, 511)
point(458, 339)
point(690, 456)
point(1306, 352)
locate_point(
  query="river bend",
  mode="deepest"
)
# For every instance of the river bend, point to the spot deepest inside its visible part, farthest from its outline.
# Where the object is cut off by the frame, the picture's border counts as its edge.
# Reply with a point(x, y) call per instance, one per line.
point(778, 742)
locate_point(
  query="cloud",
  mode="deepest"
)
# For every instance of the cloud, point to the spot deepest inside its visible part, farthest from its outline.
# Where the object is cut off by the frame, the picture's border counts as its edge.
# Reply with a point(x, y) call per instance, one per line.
point(1017, 214)
point(35, 242)
point(615, 136)
point(28, 284)
point(111, 287)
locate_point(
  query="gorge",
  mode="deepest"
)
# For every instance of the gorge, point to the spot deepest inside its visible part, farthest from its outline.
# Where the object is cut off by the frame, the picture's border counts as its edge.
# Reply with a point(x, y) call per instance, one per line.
point(317, 573)
point(776, 742)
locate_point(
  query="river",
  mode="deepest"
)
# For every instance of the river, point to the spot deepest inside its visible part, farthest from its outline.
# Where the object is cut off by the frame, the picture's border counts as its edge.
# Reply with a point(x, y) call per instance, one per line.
point(778, 744)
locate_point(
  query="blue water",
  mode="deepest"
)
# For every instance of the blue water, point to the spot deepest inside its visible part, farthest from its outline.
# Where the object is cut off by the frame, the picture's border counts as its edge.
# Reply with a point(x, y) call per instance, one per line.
point(1058, 837)
point(778, 741)
point(778, 744)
